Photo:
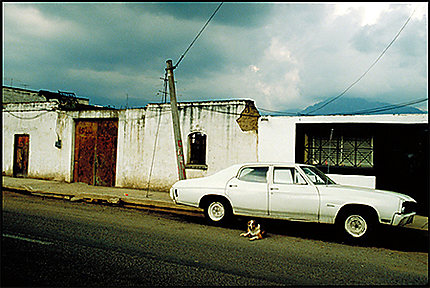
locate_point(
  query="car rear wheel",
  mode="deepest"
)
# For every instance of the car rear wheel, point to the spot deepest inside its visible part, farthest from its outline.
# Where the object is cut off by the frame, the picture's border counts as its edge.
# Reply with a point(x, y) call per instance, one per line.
point(217, 211)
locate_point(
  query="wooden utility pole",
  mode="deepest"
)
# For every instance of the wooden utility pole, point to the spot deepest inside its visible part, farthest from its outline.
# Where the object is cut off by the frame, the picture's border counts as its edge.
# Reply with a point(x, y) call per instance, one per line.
point(175, 118)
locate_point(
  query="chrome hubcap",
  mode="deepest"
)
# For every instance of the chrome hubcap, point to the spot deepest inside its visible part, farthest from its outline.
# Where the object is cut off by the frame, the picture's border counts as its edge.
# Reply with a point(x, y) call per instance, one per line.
point(216, 211)
point(355, 225)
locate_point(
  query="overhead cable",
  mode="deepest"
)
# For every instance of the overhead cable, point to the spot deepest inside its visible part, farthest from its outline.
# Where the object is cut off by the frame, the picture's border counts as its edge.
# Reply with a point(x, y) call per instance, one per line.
point(280, 112)
point(388, 107)
point(371, 66)
point(28, 118)
point(198, 35)
point(359, 112)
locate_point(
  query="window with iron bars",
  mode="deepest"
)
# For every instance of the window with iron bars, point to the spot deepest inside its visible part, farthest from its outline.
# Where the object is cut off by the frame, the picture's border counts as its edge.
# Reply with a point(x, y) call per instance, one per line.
point(339, 151)
point(197, 149)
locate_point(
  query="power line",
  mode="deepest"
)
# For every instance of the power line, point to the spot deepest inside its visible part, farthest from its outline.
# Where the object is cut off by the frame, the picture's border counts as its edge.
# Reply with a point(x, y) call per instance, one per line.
point(198, 35)
point(280, 112)
point(359, 112)
point(371, 66)
point(164, 92)
point(388, 107)
point(31, 117)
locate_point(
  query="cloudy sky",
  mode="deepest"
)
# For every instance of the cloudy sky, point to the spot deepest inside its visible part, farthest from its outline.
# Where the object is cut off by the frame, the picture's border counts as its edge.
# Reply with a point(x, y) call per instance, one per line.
point(284, 56)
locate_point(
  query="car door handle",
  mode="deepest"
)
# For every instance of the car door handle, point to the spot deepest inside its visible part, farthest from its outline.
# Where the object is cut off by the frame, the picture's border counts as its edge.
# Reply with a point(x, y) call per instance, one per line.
point(232, 185)
point(274, 188)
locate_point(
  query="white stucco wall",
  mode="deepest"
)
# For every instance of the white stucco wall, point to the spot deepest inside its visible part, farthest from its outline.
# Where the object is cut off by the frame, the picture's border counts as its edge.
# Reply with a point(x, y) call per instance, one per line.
point(139, 164)
point(140, 130)
point(145, 149)
point(130, 156)
point(45, 124)
point(42, 124)
point(277, 139)
point(354, 180)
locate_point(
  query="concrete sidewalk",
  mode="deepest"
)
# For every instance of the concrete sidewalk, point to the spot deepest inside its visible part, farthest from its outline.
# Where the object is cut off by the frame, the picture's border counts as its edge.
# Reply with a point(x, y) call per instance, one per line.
point(144, 198)
point(85, 192)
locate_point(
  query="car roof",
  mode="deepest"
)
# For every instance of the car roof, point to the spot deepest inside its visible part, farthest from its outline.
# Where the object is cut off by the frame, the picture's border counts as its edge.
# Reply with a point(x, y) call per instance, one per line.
point(272, 164)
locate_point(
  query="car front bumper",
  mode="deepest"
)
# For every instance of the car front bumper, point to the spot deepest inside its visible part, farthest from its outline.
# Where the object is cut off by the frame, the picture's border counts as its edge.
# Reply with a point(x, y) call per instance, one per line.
point(403, 219)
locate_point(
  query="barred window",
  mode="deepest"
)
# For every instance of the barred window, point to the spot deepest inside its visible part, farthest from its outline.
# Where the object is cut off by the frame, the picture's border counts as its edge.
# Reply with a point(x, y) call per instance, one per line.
point(339, 151)
point(197, 149)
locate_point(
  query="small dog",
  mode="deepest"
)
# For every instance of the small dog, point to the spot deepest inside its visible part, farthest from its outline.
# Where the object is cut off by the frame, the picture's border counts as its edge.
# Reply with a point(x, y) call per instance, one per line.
point(254, 231)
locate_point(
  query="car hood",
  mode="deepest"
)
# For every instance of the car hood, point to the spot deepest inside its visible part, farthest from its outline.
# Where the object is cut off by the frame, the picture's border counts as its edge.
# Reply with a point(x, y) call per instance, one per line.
point(364, 190)
point(217, 180)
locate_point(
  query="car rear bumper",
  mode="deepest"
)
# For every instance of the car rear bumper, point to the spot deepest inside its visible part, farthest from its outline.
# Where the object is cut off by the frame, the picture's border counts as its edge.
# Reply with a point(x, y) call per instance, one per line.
point(173, 194)
point(403, 219)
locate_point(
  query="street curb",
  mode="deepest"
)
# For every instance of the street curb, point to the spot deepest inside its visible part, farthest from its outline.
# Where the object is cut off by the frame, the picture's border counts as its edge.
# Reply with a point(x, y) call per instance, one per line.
point(128, 201)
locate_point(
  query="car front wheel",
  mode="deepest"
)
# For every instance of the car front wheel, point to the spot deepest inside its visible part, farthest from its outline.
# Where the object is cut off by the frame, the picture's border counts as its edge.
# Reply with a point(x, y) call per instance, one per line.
point(217, 211)
point(356, 226)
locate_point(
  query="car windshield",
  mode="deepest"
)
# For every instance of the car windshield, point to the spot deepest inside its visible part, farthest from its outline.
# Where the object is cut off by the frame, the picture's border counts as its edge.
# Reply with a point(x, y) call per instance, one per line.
point(316, 176)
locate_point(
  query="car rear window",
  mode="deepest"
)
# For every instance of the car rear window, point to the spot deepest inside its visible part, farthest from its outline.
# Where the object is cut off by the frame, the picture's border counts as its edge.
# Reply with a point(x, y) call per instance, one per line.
point(254, 174)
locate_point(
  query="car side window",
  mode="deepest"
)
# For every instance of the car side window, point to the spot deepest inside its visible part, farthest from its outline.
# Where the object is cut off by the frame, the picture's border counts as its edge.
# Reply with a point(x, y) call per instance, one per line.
point(254, 174)
point(283, 176)
point(287, 176)
point(298, 179)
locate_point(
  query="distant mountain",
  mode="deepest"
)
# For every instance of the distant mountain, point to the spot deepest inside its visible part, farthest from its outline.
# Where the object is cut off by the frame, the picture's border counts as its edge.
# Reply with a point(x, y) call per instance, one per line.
point(358, 106)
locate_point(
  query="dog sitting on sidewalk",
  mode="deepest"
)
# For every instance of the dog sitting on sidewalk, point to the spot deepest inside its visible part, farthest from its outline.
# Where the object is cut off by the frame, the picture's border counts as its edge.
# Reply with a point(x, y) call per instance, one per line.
point(254, 231)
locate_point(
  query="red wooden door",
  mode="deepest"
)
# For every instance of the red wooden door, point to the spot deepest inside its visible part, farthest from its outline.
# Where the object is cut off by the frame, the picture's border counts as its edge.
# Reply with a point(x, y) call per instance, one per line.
point(95, 152)
point(21, 151)
point(107, 135)
point(85, 144)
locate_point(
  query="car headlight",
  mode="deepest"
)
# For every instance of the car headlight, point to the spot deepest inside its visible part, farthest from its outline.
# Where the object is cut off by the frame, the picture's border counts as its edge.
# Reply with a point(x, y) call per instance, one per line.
point(408, 207)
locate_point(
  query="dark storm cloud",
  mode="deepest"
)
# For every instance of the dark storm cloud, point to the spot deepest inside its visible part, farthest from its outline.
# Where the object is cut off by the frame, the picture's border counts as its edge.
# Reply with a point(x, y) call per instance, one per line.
point(281, 55)
point(233, 14)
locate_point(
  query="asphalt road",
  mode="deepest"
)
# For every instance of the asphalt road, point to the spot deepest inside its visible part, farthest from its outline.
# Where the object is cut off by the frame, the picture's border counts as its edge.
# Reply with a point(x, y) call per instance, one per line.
point(49, 242)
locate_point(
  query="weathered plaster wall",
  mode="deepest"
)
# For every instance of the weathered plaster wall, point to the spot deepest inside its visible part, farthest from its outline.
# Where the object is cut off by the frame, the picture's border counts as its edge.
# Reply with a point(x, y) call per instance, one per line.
point(148, 156)
point(41, 123)
point(45, 124)
point(130, 159)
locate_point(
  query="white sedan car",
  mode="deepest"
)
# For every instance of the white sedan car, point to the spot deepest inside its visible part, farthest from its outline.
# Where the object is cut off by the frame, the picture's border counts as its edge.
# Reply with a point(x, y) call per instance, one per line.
point(293, 192)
